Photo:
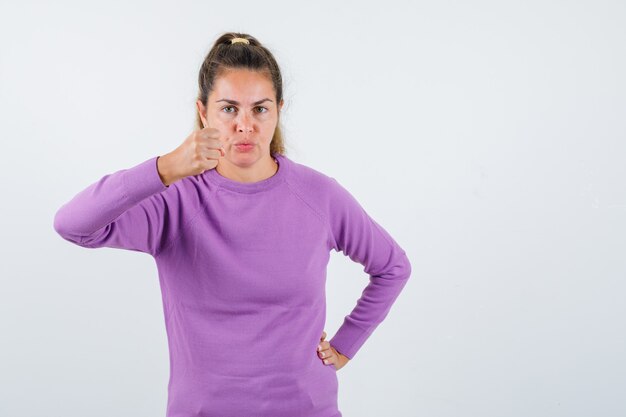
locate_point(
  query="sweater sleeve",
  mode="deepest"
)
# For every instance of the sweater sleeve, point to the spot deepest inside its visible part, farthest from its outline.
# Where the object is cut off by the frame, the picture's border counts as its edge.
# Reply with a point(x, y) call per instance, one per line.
point(122, 210)
point(361, 238)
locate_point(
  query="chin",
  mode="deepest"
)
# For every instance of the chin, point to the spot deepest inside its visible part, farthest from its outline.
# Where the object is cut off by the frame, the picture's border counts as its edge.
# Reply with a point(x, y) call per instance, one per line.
point(245, 158)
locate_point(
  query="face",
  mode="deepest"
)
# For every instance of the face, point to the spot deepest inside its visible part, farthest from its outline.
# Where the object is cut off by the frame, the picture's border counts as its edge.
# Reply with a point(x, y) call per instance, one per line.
point(242, 106)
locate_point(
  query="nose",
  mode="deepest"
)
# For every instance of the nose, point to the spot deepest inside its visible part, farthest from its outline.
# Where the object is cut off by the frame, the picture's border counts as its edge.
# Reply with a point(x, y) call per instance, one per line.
point(244, 124)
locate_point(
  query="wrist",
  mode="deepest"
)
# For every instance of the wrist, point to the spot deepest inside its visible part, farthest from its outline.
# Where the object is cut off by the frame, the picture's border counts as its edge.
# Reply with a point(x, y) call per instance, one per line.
point(164, 166)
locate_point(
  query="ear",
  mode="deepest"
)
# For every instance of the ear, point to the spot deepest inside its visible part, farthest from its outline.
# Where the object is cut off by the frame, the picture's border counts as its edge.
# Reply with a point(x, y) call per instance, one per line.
point(202, 111)
point(280, 106)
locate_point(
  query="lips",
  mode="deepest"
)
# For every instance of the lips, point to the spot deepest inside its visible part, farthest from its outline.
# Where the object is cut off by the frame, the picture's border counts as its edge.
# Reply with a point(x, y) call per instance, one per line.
point(244, 146)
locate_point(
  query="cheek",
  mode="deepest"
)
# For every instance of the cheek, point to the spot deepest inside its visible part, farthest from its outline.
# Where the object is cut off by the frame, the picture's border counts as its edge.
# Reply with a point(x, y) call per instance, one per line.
point(221, 123)
point(221, 119)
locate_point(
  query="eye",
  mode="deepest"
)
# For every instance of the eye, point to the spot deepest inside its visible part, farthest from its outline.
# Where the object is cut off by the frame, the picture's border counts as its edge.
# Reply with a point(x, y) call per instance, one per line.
point(258, 107)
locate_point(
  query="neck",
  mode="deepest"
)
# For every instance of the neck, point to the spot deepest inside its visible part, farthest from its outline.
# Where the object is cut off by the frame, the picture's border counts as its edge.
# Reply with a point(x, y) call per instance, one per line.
point(258, 171)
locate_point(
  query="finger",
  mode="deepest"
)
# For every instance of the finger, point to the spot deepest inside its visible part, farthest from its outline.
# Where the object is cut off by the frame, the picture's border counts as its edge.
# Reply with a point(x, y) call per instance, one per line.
point(325, 351)
point(331, 360)
point(215, 153)
point(211, 135)
point(212, 154)
point(322, 346)
point(211, 142)
point(216, 145)
point(325, 354)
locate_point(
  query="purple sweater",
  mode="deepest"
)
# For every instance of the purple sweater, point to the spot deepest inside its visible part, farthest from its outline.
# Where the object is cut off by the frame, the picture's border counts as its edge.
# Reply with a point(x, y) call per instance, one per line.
point(242, 272)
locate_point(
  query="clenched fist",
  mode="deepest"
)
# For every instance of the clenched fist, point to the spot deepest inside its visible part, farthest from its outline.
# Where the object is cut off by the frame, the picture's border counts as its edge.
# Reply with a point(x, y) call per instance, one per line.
point(200, 152)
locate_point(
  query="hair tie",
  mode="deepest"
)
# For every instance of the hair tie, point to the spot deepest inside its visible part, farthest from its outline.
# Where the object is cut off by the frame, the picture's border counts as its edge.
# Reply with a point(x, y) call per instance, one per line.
point(242, 40)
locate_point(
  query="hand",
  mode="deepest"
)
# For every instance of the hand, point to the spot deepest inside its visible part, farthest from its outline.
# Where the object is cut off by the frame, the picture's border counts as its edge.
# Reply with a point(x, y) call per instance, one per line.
point(200, 152)
point(330, 354)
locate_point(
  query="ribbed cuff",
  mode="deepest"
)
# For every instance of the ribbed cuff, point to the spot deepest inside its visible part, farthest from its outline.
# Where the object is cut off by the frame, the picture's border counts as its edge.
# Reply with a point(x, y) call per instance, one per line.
point(349, 338)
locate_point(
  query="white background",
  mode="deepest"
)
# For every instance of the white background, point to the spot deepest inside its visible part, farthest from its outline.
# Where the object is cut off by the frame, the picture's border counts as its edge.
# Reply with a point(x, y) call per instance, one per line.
point(488, 138)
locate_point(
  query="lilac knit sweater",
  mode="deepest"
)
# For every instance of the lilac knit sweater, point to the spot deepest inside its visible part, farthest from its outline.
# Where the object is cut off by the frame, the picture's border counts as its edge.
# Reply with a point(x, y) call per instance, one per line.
point(242, 271)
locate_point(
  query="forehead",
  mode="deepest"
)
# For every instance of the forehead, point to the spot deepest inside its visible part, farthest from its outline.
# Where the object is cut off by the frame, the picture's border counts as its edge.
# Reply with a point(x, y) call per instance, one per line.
point(242, 85)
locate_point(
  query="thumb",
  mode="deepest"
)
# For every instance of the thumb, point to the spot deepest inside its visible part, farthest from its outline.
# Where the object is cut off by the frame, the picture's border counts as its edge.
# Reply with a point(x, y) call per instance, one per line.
point(323, 335)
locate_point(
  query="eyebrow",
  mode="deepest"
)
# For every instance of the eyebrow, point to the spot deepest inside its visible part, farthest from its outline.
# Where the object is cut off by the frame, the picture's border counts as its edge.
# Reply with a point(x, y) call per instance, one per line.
point(237, 103)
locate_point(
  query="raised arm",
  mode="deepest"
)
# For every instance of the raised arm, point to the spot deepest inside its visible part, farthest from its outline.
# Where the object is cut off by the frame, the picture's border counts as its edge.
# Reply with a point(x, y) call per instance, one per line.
point(361, 238)
point(129, 210)
point(125, 209)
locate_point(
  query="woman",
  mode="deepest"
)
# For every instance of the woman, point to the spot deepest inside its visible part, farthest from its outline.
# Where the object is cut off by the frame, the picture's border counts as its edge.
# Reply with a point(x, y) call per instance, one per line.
point(241, 236)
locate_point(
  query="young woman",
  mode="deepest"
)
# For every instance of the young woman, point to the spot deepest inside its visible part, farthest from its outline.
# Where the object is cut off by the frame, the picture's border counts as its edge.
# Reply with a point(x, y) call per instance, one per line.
point(241, 236)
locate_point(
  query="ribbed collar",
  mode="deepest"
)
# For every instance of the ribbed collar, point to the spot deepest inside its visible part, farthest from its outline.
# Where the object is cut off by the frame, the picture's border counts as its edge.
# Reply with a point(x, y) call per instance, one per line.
point(252, 187)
